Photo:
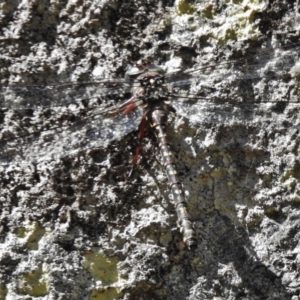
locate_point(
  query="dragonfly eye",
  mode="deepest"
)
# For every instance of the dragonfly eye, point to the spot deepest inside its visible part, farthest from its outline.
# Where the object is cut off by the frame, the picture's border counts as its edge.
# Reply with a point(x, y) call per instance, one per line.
point(143, 63)
point(142, 67)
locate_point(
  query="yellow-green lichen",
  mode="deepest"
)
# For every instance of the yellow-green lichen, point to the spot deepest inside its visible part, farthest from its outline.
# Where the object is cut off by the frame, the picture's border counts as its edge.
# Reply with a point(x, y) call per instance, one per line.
point(208, 11)
point(31, 233)
point(3, 291)
point(102, 267)
point(292, 173)
point(237, 22)
point(165, 237)
point(35, 283)
point(185, 7)
point(105, 272)
point(218, 173)
point(291, 180)
point(109, 293)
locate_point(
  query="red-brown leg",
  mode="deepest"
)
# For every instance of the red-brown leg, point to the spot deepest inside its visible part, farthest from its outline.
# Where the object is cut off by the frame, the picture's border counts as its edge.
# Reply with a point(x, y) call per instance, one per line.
point(142, 129)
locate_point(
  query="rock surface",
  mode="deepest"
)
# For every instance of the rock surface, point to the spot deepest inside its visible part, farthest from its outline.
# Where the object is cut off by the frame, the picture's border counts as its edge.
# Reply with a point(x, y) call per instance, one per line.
point(76, 227)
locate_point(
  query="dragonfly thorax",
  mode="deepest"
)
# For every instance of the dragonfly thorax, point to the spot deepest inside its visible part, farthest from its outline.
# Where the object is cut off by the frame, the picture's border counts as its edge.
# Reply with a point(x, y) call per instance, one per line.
point(150, 79)
point(152, 87)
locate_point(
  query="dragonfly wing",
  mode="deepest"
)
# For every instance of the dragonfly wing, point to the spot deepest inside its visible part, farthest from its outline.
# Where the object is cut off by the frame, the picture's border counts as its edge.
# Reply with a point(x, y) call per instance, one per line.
point(31, 97)
point(205, 112)
point(65, 141)
point(265, 64)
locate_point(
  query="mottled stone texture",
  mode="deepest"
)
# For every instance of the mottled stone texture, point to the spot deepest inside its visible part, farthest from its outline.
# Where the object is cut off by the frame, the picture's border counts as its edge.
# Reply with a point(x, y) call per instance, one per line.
point(78, 228)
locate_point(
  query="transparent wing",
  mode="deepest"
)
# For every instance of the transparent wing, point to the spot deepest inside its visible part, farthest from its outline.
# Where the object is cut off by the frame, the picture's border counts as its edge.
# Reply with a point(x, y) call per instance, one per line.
point(95, 131)
point(212, 113)
point(266, 64)
point(205, 111)
point(205, 98)
point(31, 97)
point(98, 130)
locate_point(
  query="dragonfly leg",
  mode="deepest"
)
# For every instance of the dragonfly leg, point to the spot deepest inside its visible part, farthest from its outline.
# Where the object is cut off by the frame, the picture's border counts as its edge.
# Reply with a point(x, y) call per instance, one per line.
point(142, 129)
point(126, 107)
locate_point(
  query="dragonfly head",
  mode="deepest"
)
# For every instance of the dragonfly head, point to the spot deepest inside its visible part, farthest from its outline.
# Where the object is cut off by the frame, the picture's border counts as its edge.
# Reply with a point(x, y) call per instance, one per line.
point(142, 67)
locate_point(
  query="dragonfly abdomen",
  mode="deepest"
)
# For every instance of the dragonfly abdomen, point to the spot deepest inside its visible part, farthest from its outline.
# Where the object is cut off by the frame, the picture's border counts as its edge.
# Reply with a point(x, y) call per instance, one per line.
point(158, 120)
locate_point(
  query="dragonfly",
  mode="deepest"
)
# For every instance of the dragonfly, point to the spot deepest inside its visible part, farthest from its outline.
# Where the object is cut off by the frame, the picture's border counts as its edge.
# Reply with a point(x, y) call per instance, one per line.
point(88, 114)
